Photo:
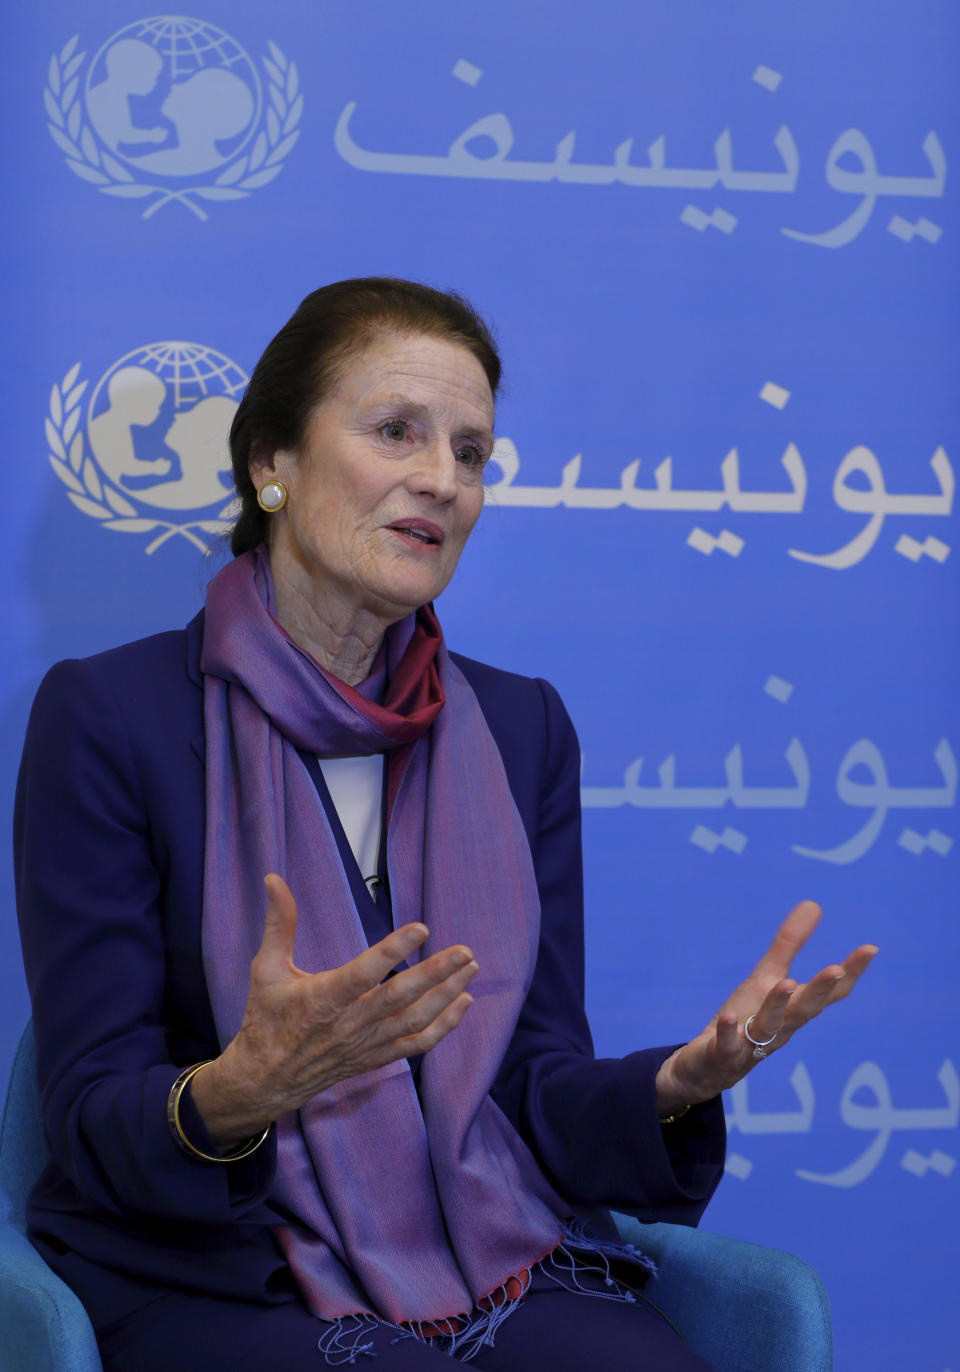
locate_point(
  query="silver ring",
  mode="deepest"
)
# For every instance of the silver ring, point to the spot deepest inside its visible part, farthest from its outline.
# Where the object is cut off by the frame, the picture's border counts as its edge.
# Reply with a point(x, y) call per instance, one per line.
point(759, 1045)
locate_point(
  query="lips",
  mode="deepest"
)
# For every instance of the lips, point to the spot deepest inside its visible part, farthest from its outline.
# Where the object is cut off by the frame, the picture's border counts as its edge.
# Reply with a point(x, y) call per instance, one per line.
point(418, 531)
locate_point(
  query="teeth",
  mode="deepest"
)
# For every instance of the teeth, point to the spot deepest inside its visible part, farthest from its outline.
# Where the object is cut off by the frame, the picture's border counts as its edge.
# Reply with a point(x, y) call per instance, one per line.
point(417, 534)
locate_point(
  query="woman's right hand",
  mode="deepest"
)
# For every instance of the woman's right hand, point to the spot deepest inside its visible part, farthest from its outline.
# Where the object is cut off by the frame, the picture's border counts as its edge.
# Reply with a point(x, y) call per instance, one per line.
point(303, 1031)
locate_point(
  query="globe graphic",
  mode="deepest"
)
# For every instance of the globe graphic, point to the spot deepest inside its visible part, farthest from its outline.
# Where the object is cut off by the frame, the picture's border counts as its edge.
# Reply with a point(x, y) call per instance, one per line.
point(158, 425)
point(173, 97)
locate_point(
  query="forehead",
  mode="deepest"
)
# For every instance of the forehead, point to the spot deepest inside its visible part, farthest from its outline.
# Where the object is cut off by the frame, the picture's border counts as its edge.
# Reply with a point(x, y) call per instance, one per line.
point(435, 372)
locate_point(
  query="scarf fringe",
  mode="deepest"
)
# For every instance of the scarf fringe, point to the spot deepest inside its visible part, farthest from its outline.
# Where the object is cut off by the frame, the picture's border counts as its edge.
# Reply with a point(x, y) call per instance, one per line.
point(341, 1344)
point(576, 1240)
point(577, 1254)
point(475, 1331)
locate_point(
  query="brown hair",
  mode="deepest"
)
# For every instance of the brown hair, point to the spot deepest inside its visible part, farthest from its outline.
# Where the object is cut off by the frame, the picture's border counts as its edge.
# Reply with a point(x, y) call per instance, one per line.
point(303, 363)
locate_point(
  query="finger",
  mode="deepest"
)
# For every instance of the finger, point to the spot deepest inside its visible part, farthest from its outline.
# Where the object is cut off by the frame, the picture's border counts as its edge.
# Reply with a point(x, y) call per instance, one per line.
point(857, 963)
point(729, 1037)
point(438, 1029)
point(835, 983)
point(274, 957)
point(813, 996)
point(368, 969)
point(768, 1019)
point(790, 938)
point(408, 986)
point(418, 1015)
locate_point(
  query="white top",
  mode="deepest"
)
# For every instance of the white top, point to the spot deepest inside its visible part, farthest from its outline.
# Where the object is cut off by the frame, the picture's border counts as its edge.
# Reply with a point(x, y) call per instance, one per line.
point(355, 785)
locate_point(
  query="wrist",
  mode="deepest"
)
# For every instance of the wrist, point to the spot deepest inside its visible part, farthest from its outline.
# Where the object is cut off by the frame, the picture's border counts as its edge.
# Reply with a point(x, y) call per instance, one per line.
point(181, 1110)
point(673, 1099)
point(231, 1111)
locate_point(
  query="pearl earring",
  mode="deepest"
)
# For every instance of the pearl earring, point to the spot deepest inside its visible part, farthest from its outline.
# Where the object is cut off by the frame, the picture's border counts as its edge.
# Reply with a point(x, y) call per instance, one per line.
point(272, 496)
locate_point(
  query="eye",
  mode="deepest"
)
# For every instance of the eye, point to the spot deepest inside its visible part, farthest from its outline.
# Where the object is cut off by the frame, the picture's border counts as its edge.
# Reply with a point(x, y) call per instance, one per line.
point(395, 430)
point(470, 456)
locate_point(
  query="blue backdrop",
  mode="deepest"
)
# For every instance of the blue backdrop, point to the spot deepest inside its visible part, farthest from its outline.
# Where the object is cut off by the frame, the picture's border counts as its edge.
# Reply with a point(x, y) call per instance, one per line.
point(716, 245)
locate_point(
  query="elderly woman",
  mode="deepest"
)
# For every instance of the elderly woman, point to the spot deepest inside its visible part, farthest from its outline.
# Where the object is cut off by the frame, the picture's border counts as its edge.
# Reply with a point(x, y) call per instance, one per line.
point(303, 1140)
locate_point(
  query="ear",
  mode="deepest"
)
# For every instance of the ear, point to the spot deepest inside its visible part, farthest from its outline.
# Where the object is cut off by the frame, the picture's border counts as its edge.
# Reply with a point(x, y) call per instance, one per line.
point(266, 468)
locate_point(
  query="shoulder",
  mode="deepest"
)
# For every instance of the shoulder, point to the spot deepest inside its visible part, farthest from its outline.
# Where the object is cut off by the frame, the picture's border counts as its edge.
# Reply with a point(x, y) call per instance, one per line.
point(528, 720)
point(147, 686)
point(527, 700)
point(151, 664)
point(494, 683)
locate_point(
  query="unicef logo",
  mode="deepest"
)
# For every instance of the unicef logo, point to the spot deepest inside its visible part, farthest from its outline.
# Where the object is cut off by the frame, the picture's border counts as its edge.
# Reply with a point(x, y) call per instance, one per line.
point(154, 444)
point(173, 109)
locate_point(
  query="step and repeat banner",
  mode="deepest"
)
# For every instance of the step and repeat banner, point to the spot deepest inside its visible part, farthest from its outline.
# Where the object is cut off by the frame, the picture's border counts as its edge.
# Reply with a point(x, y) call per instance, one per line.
point(718, 247)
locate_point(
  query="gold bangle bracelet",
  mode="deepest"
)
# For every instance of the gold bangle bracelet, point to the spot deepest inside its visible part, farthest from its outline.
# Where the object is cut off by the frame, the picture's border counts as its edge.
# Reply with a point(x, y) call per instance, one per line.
point(677, 1115)
point(176, 1128)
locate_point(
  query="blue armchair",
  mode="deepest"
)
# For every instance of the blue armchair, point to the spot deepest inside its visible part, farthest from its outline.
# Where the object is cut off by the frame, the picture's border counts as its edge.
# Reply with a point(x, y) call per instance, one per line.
point(43, 1327)
point(742, 1307)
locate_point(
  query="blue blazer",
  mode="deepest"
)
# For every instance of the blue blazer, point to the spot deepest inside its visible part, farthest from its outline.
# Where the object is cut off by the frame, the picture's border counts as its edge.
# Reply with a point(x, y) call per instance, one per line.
point(109, 830)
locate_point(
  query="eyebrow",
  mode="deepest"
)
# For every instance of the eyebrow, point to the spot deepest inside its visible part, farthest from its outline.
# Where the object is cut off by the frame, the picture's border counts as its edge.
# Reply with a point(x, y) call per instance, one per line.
point(420, 411)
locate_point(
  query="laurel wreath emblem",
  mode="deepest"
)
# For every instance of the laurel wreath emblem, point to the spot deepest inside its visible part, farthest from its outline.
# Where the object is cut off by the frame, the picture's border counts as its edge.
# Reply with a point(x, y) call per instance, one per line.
point(246, 173)
point(91, 493)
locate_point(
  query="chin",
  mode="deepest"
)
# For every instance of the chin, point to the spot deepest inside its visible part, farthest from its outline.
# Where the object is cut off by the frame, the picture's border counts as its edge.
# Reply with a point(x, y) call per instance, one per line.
point(405, 585)
point(409, 594)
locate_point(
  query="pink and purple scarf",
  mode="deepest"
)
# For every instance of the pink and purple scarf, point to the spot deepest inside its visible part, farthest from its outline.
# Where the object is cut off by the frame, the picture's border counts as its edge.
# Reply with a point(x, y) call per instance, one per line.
point(413, 1211)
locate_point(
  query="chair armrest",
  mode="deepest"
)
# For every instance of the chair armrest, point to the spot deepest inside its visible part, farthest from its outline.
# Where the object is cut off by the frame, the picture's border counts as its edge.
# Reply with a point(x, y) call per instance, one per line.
point(742, 1307)
point(43, 1326)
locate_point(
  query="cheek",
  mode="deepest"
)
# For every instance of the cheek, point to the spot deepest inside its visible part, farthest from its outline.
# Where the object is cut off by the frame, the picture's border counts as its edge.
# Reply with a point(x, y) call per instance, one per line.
point(470, 511)
point(356, 491)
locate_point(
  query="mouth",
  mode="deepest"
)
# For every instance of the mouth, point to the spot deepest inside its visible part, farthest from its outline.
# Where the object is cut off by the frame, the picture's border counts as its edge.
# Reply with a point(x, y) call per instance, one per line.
point(419, 531)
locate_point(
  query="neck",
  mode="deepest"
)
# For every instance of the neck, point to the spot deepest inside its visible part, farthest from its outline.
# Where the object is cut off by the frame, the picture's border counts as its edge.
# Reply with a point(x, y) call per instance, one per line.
point(342, 637)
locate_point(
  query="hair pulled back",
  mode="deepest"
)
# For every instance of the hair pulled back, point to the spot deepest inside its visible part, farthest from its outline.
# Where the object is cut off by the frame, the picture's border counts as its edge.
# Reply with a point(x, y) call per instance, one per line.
point(307, 358)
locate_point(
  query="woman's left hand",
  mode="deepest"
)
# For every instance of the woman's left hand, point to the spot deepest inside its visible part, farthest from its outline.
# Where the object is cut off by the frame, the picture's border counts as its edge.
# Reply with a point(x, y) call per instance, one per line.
point(721, 1054)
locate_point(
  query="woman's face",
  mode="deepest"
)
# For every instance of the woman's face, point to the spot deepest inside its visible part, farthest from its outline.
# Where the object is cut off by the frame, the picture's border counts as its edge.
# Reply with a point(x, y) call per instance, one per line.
point(388, 482)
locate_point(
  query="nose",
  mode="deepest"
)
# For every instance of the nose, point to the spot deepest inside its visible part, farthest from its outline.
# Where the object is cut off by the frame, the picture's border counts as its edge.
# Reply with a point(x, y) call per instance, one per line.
point(435, 472)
